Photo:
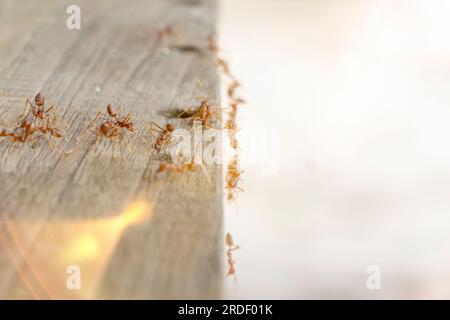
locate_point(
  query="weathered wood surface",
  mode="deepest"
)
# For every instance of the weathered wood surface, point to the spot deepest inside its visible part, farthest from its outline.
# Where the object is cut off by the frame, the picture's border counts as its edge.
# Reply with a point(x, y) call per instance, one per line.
point(49, 199)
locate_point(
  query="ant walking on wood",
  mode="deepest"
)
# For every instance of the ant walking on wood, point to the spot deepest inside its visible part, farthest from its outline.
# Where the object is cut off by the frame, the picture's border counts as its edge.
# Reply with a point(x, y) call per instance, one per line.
point(164, 135)
point(170, 167)
point(34, 119)
point(112, 123)
point(109, 124)
point(204, 112)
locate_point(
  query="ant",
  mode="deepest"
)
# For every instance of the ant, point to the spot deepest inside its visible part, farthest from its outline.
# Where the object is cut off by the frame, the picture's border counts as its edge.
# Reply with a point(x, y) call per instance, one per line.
point(232, 179)
point(231, 92)
point(110, 127)
point(174, 168)
point(231, 125)
point(38, 109)
point(42, 121)
point(225, 67)
point(203, 113)
point(233, 100)
point(232, 88)
point(25, 132)
point(164, 135)
point(231, 121)
point(47, 128)
point(231, 246)
point(166, 31)
point(26, 129)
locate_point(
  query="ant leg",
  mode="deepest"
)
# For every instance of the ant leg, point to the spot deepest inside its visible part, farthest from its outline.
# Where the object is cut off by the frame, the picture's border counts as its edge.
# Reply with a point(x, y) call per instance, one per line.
point(182, 113)
point(166, 143)
point(49, 109)
point(98, 135)
point(159, 130)
point(49, 141)
point(56, 118)
point(156, 125)
point(88, 127)
point(127, 143)
point(233, 195)
point(28, 103)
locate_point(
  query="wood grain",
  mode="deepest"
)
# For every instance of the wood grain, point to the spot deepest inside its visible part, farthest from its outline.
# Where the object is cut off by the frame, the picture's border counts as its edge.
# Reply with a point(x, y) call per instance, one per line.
point(49, 197)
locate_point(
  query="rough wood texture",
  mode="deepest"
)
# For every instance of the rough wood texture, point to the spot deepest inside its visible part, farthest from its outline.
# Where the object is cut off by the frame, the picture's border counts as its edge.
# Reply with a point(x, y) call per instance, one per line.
point(49, 200)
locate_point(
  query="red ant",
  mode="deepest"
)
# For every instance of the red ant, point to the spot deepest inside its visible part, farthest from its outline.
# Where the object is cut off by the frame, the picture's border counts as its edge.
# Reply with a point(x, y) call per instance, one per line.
point(231, 246)
point(38, 109)
point(203, 113)
point(169, 167)
point(164, 135)
point(166, 31)
point(232, 179)
point(26, 127)
point(110, 127)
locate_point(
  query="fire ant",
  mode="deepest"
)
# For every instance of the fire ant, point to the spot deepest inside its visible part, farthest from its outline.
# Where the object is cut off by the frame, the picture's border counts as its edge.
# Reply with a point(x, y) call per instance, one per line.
point(232, 88)
point(231, 121)
point(166, 31)
point(231, 125)
point(20, 133)
point(38, 109)
point(169, 167)
point(26, 129)
point(231, 246)
point(231, 92)
point(203, 113)
point(47, 128)
point(225, 67)
point(110, 127)
point(164, 135)
point(42, 121)
point(232, 179)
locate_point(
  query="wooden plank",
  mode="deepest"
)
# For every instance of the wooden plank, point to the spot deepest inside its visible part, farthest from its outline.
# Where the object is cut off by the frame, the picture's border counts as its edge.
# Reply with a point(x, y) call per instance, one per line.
point(60, 209)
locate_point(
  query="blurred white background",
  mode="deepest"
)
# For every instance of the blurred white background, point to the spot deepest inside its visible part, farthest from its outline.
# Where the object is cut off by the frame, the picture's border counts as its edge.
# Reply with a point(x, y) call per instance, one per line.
point(359, 93)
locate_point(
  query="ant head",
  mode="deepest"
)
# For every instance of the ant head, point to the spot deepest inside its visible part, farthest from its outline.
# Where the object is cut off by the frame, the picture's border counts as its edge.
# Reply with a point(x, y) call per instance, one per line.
point(170, 127)
point(110, 110)
point(229, 239)
point(39, 100)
